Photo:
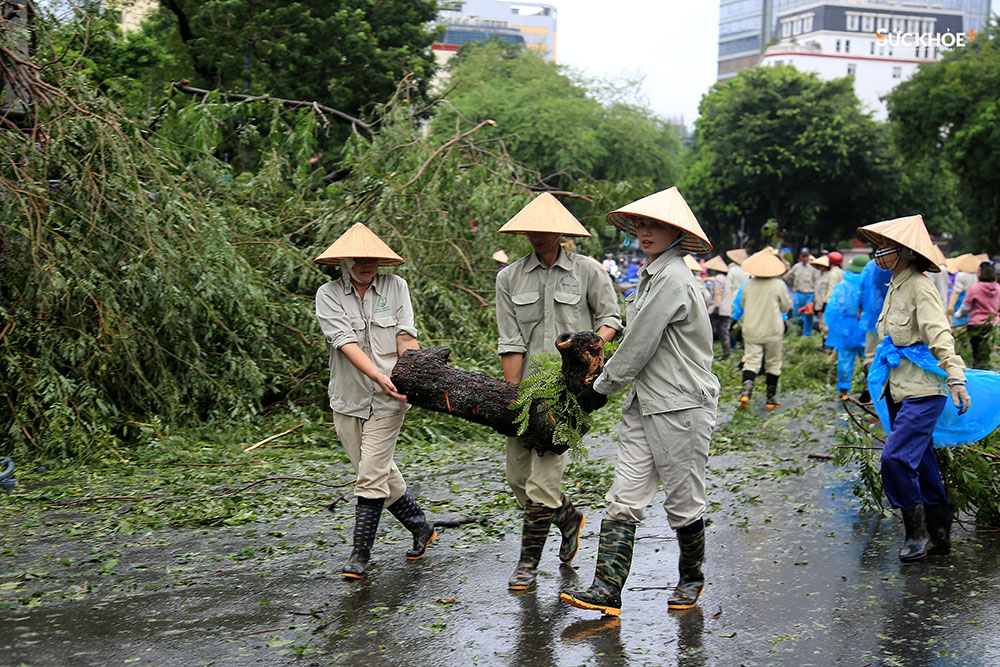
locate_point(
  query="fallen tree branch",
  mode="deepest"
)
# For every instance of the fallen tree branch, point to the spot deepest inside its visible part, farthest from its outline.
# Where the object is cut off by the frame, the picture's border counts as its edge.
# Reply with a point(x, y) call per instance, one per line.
point(443, 147)
point(273, 437)
point(184, 87)
point(284, 479)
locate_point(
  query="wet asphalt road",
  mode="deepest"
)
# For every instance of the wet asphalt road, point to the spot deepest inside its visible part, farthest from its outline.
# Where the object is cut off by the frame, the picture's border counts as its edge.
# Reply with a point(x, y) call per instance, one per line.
point(796, 574)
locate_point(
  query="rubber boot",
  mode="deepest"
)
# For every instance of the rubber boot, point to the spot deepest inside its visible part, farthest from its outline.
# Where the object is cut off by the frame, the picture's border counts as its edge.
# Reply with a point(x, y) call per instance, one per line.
point(614, 560)
point(748, 379)
point(537, 521)
point(569, 520)
point(691, 540)
point(408, 512)
point(772, 392)
point(939, 518)
point(917, 539)
point(367, 515)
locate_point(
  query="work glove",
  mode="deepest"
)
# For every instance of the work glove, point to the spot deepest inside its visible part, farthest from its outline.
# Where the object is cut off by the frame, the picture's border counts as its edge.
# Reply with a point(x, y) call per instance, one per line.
point(591, 399)
point(960, 397)
point(807, 309)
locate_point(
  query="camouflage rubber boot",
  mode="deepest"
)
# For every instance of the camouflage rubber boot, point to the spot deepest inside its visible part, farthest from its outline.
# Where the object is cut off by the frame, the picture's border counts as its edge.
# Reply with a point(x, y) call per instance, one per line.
point(691, 540)
point(772, 392)
point(748, 379)
point(614, 560)
point(408, 512)
point(569, 520)
point(368, 512)
point(537, 521)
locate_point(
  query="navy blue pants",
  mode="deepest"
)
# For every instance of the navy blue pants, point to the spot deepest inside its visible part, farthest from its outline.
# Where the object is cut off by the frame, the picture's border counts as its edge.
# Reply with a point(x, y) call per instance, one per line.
point(910, 473)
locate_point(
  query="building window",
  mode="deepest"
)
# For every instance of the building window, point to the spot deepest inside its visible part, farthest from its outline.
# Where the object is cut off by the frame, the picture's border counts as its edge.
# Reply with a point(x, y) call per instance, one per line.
point(928, 26)
point(807, 24)
point(927, 52)
point(867, 23)
point(912, 25)
point(797, 27)
point(786, 29)
point(883, 24)
point(873, 48)
point(881, 50)
point(897, 25)
point(897, 72)
point(838, 46)
point(851, 68)
point(852, 21)
point(847, 46)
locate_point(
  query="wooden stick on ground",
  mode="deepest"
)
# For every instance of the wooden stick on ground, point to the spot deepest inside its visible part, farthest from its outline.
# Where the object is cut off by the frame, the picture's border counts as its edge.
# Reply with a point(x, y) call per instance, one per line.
point(273, 437)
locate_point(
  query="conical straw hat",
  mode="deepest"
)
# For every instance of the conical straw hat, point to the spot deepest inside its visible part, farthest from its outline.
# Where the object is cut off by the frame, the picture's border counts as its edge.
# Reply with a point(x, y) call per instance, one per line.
point(667, 206)
point(737, 255)
point(356, 243)
point(717, 264)
point(969, 263)
point(939, 257)
point(501, 257)
point(908, 232)
point(544, 214)
point(764, 264)
point(821, 261)
point(951, 263)
point(692, 263)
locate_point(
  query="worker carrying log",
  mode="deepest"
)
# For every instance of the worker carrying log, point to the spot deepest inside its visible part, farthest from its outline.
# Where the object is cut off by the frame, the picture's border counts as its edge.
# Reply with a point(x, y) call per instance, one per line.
point(367, 322)
point(670, 411)
point(540, 296)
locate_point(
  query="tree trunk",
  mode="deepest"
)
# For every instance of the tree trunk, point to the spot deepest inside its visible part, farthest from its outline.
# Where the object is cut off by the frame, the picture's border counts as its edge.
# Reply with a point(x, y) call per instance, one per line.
point(430, 383)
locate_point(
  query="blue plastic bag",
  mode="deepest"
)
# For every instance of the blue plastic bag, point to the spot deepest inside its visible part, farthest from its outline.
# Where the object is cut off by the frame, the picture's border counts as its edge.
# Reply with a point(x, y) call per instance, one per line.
point(952, 429)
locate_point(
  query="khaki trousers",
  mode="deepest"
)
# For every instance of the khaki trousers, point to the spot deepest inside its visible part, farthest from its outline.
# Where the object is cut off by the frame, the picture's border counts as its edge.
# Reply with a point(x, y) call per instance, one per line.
point(535, 478)
point(769, 353)
point(669, 448)
point(370, 444)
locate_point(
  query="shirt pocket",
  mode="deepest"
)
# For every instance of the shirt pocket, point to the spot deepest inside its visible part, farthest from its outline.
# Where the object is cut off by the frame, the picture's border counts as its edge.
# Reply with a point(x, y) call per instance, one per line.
point(383, 336)
point(567, 305)
point(630, 307)
point(527, 307)
point(899, 326)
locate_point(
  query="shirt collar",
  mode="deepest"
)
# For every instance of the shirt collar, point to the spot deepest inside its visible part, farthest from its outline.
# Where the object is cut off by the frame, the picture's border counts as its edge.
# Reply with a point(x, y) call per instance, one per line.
point(906, 274)
point(563, 261)
point(658, 264)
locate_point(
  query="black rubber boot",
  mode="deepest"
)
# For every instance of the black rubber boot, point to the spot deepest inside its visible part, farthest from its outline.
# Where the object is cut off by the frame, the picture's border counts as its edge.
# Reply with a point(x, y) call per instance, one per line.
point(537, 521)
point(772, 392)
point(366, 519)
point(915, 545)
point(408, 512)
point(748, 379)
point(691, 540)
point(939, 518)
point(614, 560)
point(569, 520)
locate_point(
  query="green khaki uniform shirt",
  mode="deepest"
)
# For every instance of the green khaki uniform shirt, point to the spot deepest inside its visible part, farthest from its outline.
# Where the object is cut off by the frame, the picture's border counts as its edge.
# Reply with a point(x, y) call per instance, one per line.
point(803, 277)
point(535, 305)
point(912, 313)
point(374, 323)
point(737, 276)
point(764, 300)
point(826, 285)
point(667, 350)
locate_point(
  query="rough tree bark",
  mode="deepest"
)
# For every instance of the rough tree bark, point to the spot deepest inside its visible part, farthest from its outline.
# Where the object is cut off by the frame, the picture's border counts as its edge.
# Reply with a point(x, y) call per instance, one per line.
point(430, 383)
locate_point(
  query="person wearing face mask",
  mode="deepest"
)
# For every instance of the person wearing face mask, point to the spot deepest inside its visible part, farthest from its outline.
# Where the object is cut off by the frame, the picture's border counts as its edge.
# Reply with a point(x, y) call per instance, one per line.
point(546, 293)
point(367, 322)
point(670, 411)
point(911, 324)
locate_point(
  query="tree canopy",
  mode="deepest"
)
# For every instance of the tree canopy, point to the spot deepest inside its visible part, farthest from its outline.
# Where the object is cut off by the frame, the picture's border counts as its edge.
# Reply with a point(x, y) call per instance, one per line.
point(777, 143)
point(951, 110)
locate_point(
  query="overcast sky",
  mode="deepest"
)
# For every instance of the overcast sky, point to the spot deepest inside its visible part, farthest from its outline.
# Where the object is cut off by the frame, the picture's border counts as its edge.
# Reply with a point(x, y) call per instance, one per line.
point(672, 43)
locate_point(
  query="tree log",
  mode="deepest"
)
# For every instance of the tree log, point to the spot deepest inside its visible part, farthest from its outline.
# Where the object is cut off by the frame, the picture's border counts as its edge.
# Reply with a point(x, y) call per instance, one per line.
point(430, 383)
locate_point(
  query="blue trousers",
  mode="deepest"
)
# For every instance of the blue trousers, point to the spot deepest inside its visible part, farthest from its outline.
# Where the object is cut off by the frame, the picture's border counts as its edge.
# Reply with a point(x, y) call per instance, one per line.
point(910, 473)
point(800, 299)
point(845, 365)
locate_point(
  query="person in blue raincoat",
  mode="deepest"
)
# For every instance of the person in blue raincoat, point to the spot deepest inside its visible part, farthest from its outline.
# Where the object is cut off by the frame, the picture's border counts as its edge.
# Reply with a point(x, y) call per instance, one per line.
point(874, 284)
point(912, 318)
point(845, 333)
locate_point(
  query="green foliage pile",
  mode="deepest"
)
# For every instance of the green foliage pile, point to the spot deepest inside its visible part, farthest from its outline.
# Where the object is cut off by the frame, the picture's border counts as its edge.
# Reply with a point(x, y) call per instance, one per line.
point(146, 279)
point(545, 389)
